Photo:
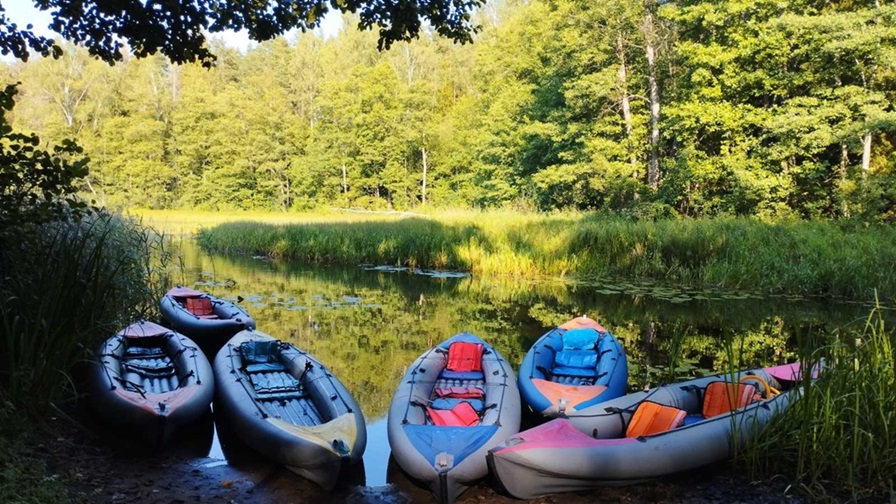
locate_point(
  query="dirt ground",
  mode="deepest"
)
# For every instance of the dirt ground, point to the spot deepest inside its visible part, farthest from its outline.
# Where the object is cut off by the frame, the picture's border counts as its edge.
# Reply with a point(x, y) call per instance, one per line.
point(105, 467)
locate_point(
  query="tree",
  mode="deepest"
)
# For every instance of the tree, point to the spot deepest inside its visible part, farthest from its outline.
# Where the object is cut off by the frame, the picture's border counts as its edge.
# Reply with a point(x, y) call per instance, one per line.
point(176, 28)
point(36, 185)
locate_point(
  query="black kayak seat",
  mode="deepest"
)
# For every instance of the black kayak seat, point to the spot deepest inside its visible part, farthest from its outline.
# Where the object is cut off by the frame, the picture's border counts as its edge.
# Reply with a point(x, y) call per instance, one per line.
point(269, 377)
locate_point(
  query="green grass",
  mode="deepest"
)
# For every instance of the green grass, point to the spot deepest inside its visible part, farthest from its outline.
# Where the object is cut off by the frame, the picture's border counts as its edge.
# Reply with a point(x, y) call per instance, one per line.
point(66, 287)
point(190, 222)
point(838, 441)
point(741, 254)
point(23, 475)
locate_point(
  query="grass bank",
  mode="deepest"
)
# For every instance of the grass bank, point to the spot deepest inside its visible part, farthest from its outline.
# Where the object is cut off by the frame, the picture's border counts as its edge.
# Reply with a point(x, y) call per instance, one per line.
point(65, 287)
point(190, 222)
point(808, 258)
point(838, 442)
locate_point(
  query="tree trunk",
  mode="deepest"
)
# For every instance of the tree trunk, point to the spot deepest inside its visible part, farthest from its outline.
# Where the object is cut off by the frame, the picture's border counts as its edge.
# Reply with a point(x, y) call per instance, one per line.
point(344, 181)
point(174, 78)
point(653, 168)
point(866, 154)
point(622, 82)
point(423, 152)
point(844, 163)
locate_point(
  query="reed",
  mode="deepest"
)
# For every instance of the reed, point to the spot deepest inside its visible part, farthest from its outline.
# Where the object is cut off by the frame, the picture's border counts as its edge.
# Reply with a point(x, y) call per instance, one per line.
point(66, 287)
point(838, 442)
point(742, 254)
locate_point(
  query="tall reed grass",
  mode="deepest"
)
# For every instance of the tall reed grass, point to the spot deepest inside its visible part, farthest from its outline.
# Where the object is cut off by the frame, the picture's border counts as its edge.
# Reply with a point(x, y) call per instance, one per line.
point(66, 286)
point(809, 258)
point(838, 441)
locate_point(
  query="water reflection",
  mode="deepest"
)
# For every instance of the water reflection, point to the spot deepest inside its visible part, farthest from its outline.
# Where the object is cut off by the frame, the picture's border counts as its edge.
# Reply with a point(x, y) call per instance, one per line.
point(367, 324)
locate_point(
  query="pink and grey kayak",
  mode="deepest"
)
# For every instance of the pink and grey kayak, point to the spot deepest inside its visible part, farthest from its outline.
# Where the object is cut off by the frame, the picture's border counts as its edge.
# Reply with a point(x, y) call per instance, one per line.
point(150, 380)
point(456, 401)
point(645, 435)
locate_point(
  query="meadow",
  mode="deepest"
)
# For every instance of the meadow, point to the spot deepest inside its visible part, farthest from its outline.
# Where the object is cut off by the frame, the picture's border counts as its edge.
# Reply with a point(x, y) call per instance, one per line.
point(814, 258)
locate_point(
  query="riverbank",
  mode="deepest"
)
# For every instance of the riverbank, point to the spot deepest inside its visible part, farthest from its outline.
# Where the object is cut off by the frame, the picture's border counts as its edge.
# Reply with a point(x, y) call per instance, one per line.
point(101, 470)
point(810, 258)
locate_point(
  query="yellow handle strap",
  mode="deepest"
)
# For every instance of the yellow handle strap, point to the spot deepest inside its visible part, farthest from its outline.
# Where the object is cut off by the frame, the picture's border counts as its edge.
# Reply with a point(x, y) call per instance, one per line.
point(769, 390)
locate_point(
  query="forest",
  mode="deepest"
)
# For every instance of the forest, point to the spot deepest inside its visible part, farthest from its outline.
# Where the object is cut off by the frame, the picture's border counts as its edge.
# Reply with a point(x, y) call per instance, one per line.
point(692, 108)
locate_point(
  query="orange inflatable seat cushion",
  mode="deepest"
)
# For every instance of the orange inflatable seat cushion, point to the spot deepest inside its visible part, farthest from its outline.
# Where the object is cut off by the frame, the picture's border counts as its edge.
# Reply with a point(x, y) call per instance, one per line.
point(722, 397)
point(462, 415)
point(463, 357)
point(201, 306)
point(653, 418)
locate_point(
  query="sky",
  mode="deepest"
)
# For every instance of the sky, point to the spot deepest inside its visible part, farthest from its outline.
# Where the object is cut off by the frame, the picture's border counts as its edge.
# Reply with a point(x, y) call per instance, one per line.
point(23, 12)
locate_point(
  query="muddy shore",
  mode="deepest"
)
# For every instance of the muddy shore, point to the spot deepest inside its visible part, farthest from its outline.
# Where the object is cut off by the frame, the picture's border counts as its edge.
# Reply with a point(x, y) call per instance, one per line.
point(105, 467)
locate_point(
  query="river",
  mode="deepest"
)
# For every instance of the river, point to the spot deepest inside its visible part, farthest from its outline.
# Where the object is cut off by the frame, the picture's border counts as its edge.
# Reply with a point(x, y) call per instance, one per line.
point(367, 323)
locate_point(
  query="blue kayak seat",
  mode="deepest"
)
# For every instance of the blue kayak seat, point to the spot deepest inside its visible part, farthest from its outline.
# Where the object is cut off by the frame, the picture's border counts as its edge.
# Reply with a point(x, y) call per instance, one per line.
point(580, 339)
point(449, 403)
point(578, 357)
point(692, 419)
point(448, 374)
point(264, 367)
point(582, 363)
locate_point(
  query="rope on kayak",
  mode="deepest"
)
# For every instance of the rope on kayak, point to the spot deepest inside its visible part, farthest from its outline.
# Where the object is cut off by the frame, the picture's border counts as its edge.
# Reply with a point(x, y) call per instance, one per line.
point(137, 387)
point(420, 361)
point(310, 364)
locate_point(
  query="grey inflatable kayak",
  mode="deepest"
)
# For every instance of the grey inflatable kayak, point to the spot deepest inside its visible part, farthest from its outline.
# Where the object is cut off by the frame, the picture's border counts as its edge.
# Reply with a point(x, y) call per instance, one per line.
point(288, 406)
point(645, 435)
point(150, 380)
point(208, 320)
point(456, 401)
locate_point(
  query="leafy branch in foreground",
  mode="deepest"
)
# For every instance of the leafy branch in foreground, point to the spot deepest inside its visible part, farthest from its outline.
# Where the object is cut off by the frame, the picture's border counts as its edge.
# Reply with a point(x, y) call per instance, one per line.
point(36, 185)
point(176, 28)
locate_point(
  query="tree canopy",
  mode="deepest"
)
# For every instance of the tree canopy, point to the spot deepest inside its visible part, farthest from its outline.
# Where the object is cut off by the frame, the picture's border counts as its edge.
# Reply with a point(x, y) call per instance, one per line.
point(696, 108)
point(177, 28)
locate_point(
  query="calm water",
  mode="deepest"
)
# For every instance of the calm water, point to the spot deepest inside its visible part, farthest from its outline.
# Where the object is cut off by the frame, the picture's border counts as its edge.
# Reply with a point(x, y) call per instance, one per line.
point(368, 325)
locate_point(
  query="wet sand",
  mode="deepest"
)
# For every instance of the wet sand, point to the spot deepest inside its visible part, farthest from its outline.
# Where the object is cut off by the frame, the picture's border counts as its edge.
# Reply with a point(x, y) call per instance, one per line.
point(105, 467)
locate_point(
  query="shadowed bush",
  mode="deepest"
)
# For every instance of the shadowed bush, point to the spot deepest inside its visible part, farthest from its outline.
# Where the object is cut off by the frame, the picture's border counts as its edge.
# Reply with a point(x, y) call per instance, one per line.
point(65, 287)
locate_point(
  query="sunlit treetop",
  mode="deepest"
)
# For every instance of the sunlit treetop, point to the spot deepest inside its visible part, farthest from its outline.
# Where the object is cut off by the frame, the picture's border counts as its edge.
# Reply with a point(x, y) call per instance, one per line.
point(177, 28)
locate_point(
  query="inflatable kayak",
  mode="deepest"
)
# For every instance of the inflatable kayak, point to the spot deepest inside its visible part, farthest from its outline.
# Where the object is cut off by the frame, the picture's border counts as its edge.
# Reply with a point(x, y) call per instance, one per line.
point(645, 435)
point(208, 320)
point(572, 367)
point(455, 402)
point(288, 406)
point(150, 380)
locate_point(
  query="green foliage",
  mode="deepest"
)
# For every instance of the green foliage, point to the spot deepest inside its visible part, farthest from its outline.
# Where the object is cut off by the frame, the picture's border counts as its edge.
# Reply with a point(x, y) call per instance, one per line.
point(765, 109)
point(36, 185)
point(177, 30)
point(67, 286)
point(837, 440)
